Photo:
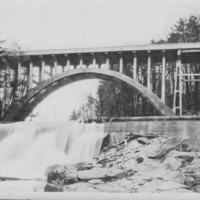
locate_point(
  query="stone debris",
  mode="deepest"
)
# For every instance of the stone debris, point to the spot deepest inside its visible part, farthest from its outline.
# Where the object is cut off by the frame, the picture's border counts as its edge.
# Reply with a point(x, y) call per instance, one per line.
point(95, 173)
point(53, 188)
point(143, 162)
point(95, 181)
point(83, 166)
point(143, 140)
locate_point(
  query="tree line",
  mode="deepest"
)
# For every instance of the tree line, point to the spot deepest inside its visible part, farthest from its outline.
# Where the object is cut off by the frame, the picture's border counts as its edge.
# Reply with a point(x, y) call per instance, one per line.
point(116, 99)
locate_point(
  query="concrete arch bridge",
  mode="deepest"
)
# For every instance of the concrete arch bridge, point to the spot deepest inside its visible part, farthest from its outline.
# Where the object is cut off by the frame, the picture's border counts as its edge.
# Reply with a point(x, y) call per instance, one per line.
point(137, 66)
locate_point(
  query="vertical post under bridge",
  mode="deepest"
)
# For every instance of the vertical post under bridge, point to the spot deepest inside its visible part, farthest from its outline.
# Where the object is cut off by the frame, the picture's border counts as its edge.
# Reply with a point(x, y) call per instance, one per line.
point(149, 74)
point(163, 76)
point(134, 65)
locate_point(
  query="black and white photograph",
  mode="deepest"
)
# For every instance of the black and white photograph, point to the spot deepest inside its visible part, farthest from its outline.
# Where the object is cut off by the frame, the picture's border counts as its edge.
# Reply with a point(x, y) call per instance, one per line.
point(99, 99)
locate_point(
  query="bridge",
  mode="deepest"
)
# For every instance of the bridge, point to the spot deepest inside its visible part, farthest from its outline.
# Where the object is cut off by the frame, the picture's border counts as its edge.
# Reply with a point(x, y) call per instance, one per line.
point(152, 70)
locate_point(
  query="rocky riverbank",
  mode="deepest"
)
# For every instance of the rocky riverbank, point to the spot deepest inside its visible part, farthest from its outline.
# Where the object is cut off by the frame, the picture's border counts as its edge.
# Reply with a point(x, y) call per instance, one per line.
point(139, 163)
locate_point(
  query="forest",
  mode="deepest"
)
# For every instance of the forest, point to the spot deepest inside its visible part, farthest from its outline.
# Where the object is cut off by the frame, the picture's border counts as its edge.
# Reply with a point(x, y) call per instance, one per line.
point(115, 99)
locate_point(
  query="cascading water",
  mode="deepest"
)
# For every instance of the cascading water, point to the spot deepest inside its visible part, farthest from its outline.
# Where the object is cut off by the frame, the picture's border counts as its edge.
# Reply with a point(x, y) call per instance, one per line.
point(28, 148)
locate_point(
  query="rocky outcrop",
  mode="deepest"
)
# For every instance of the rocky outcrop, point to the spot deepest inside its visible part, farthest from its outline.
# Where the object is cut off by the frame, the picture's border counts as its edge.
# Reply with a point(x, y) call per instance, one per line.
point(101, 173)
point(144, 162)
point(53, 188)
point(61, 175)
point(192, 175)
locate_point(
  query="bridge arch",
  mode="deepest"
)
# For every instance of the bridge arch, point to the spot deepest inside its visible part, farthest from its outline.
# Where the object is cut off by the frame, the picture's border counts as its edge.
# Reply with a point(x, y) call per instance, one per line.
point(22, 109)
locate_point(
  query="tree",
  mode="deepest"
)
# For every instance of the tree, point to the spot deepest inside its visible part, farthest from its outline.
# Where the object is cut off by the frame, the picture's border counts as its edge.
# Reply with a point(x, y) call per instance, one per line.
point(187, 30)
point(9, 57)
point(88, 111)
point(193, 28)
point(115, 99)
point(9, 85)
point(75, 115)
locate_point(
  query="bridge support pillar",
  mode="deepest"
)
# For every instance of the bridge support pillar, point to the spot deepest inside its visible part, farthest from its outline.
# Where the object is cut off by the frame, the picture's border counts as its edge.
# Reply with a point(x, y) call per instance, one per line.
point(17, 80)
point(178, 63)
point(5, 101)
point(16, 85)
point(67, 62)
point(149, 74)
point(63, 68)
point(94, 63)
point(55, 65)
point(107, 61)
point(30, 75)
point(163, 76)
point(177, 105)
point(42, 69)
point(18, 72)
point(120, 63)
point(134, 65)
point(80, 61)
point(51, 71)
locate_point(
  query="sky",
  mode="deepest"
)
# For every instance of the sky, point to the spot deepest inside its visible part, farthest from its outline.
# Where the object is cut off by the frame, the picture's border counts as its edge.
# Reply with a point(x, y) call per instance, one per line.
point(50, 24)
point(63, 24)
point(59, 105)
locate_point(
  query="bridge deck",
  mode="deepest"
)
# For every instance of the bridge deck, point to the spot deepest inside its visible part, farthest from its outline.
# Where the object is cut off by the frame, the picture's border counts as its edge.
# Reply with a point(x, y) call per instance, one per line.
point(185, 47)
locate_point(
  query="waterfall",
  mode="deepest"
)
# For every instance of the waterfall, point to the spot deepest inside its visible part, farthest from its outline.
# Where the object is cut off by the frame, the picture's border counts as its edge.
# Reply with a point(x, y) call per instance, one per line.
point(28, 148)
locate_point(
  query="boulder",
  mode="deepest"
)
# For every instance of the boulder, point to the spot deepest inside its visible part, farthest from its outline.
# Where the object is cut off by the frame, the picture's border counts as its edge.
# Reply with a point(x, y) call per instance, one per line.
point(79, 187)
point(139, 159)
point(95, 181)
point(196, 188)
point(60, 171)
point(187, 156)
point(189, 181)
point(193, 167)
point(95, 173)
point(124, 182)
point(62, 175)
point(192, 172)
point(51, 169)
point(53, 188)
point(143, 140)
point(101, 173)
point(141, 182)
point(116, 137)
point(173, 163)
point(113, 173)
point(133, 145)
point(176, 160)
point(51, 173)
point(175, 176)
point(83, 166)
point(162, 186)
point(70, 167)
point(113, 187)
point(131, 165)
point(169, 145)
point(70, 176)
point(153, 149)
point(184, 146)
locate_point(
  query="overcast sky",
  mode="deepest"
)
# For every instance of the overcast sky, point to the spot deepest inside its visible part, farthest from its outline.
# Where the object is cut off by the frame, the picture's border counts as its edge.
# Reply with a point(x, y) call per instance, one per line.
point(62, 24)
point(50, 24)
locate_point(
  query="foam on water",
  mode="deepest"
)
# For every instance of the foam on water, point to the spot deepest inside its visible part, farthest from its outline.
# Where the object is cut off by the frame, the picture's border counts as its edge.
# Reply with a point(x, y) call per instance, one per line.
point(27, 148)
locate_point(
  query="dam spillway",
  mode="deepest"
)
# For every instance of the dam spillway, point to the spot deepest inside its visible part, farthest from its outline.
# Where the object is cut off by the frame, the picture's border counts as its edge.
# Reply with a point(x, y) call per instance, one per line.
point(27, 148)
